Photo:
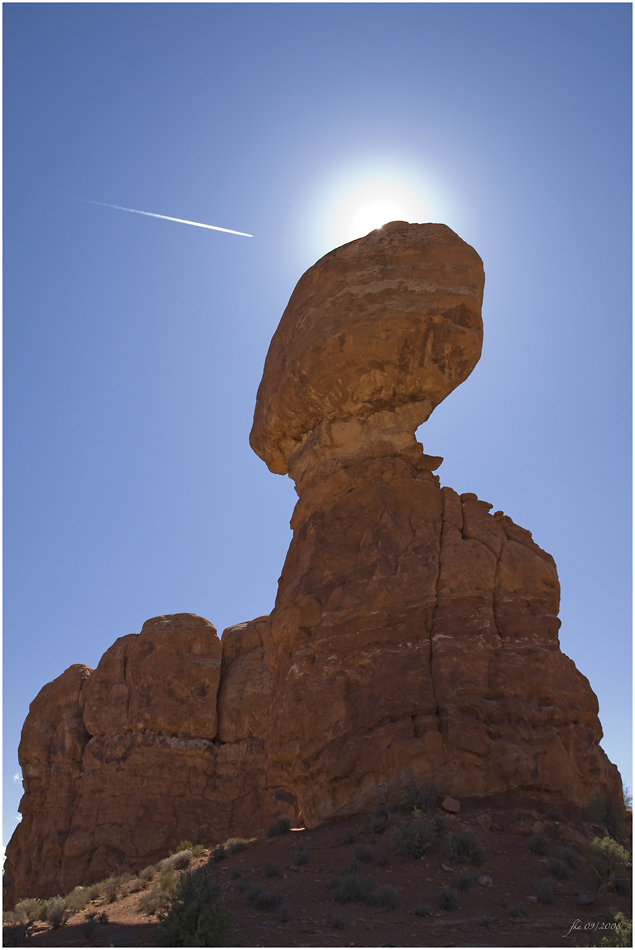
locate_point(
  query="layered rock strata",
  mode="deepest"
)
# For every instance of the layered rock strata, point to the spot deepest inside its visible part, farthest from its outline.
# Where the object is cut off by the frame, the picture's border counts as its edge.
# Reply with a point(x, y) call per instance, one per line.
point(414, 635)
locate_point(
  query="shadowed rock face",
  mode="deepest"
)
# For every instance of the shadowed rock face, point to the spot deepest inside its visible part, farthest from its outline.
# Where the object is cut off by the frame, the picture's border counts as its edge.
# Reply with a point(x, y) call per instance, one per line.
point(415, 633)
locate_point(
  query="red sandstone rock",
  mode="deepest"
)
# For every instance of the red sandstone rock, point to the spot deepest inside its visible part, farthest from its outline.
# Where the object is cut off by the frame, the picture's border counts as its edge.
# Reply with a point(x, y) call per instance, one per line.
point(415, 634)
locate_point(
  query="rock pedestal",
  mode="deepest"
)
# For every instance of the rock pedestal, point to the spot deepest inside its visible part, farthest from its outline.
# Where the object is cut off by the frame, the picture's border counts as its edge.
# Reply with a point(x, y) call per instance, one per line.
point(414, 635)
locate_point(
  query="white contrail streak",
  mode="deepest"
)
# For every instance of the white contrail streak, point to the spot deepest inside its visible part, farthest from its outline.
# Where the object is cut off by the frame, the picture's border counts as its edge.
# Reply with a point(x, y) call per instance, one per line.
point(151, 214)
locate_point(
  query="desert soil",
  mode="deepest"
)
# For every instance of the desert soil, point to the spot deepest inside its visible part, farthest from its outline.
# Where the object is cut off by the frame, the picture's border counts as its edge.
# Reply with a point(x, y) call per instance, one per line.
point(502, 825)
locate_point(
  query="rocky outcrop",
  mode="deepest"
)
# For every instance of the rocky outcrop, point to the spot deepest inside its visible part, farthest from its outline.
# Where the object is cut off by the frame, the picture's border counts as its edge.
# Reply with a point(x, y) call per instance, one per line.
point(123, 762)
point(414, 635)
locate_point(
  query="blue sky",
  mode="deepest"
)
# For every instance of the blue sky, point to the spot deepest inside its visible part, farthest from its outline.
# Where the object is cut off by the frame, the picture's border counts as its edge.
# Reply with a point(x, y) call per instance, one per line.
point(134, 346)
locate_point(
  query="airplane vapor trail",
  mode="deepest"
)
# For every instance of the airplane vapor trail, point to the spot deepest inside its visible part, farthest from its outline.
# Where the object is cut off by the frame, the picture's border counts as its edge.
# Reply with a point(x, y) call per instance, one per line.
point(151, 214)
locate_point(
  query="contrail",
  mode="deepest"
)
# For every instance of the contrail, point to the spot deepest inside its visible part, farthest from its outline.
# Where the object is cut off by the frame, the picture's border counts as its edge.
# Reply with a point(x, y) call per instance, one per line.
point(151, 214)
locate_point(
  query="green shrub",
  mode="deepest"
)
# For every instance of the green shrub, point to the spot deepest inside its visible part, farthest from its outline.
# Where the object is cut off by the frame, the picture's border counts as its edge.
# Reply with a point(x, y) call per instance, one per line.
point(607, 858)
point(148, 873)
point(351, 887)
point(279, 827)
point(463, 846)
point(569, 857)
point(168, 881)
point(413, 838)
point(14, 935)
point(423, 796)
point(560, 868)
point(239, 845)
point(93, 920)
point(620, 934)
point(95, 891)
point(446, 899)
point(301, 853)
point(423, 910)
point(197, 850)
point(195, 915)
point(538, 844)
point(363, 854)
point(218, 854)
point(386, 897)
point(56, 913)
point(517, 910)
point(465, 880)
point(29, 909)
point(182, 860)
point(184, 845)
point(111, 889)
point(153, 901)
point(544, 890)
point(606, 810)
point(76, 900)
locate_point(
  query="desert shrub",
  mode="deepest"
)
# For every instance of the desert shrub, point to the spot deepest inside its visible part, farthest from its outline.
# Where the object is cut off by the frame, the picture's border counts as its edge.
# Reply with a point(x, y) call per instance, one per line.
point(560, 868)
point(28, 909)
point(197, 850)
point(135, 885)
point(283, 913)
point(182, 860)
point(14, 935)
point(363, 854)
point(627, 798)
point(423, 910)
point(337, 923)
point(236, 845)
point(446, 899)
point(465, 880)
point(413, 838)
point(111, 889)
point(569, 857)
point(607, 858)
point(622, 886)
point(463, 846)
point(538, 844)
point(349, 836)
point(386, 897)
point(544, 890)
point(184, 845)
point(153, 901)
point(517, 910)
point(195, 915)
point(607, 810)
point(168, 881)
point(271, 870)
point(423, 796)
point(76, 900)
point(148, 873)
point(95, 891)
point(351, 887)
point(279, 827)
point(9, 917)
point(265, 900)
point(555, 813)
point(56, 913)
point(620, 934)
point(93, 920)
point(301, 853)
point(218, 854)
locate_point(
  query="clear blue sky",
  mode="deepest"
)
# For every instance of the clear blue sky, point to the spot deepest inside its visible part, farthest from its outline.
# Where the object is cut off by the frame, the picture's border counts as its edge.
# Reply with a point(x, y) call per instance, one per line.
point(134, 346)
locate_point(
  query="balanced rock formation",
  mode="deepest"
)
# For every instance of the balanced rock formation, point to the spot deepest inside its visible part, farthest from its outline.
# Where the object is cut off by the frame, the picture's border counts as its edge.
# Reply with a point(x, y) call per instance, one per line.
point(414, 635)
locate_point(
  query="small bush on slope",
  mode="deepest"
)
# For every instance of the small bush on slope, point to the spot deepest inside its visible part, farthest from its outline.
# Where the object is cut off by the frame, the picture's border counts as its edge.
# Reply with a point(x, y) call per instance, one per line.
point(196, 915)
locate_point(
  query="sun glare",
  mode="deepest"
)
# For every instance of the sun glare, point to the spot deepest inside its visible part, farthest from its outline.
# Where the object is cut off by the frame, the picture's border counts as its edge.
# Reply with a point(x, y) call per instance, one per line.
point(363, 195)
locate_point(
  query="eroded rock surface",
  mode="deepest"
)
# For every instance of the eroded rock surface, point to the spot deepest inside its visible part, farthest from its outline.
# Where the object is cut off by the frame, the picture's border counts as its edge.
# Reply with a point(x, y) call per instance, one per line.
point(415, 633)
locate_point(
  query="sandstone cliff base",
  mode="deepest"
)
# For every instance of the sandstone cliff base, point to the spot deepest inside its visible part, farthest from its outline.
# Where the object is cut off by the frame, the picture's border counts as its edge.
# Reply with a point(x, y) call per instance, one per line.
point(414, 634)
